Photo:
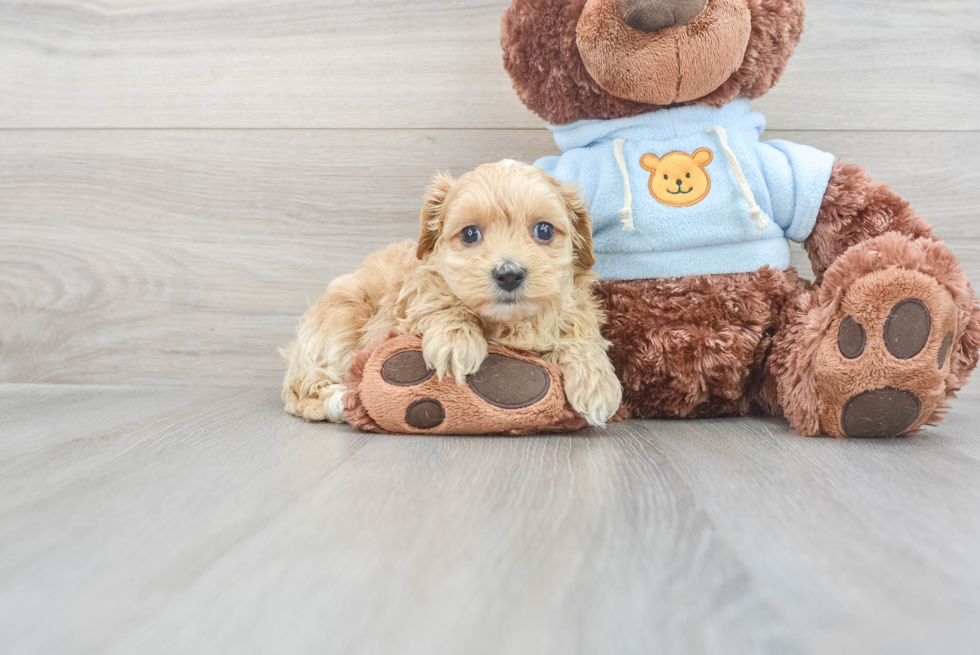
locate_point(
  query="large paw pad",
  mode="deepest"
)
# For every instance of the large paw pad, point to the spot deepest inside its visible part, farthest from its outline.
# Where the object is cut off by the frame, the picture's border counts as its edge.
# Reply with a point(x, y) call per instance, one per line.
point(510, 383)
point(511, 393)
point(884, 412)
point(881, 371)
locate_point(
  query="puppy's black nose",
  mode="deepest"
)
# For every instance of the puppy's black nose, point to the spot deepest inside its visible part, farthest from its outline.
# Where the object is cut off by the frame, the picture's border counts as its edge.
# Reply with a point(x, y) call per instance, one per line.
point(508, 275)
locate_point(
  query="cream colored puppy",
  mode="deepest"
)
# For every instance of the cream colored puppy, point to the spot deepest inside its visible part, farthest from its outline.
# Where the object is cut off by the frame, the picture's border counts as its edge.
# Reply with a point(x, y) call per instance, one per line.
point(504, 256)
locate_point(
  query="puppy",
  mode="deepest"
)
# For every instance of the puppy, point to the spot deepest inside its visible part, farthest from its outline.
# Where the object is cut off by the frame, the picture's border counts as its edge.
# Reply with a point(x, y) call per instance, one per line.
point(504, 256)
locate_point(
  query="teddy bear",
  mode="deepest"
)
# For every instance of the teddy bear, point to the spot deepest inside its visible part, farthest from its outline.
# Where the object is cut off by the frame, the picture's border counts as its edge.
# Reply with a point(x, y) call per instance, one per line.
point(649, 102)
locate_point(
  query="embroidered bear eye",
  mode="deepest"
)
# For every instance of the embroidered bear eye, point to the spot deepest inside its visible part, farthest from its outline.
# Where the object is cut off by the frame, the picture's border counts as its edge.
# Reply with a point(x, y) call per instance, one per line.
point(666, 177)
point(689, 176)
point(470, 235)
point(544, 231)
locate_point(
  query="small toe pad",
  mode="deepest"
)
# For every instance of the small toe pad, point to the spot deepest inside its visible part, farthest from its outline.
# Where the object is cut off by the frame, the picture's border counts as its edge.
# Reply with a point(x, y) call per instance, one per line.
point(406, 369)
point(944, 350)
point(851, 338)
point(425, 414)
point(907, 328)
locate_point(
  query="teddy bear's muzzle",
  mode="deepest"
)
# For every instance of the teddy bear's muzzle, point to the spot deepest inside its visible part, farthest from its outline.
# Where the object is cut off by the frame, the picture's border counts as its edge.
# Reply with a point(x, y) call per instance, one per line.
point(628, 51)
point(655, 15)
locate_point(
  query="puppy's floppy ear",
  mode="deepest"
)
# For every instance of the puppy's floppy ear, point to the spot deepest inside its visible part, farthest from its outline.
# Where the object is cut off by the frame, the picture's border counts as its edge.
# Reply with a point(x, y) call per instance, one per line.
point(433, 215)
point(578, 214)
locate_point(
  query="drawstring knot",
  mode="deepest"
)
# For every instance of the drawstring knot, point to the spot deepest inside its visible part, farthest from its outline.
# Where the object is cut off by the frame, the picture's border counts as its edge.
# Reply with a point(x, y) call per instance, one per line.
point(755, 211)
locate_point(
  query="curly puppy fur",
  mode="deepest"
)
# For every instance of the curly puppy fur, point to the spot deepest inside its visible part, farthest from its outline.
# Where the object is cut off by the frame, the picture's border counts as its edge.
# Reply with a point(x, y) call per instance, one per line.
point(444, 290)
point(698, 347)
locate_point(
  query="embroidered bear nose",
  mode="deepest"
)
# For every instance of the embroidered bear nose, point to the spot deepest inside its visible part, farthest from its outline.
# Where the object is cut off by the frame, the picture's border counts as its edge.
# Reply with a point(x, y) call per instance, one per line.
point(508, 275)
point(679, 183)
point(655, 15)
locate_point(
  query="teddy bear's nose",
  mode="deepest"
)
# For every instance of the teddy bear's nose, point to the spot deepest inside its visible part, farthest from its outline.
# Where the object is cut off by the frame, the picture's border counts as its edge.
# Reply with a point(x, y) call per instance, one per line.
point(655, 15)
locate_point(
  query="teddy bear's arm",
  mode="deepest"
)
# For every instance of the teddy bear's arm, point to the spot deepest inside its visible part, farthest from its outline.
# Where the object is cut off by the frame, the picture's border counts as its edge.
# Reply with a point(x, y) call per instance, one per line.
point(855, 209)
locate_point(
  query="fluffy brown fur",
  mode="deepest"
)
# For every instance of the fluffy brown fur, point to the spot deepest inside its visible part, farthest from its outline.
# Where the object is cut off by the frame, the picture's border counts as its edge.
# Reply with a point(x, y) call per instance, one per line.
point(698, 346)
point(856, 208)
point(765, 343)
point(541, 53)
point(678, 64)
point(443, 290)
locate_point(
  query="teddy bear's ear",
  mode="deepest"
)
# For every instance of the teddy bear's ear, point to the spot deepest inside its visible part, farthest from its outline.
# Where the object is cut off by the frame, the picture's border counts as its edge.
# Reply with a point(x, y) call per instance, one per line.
point(649, 163)
point(703, 157)
point(433, 215)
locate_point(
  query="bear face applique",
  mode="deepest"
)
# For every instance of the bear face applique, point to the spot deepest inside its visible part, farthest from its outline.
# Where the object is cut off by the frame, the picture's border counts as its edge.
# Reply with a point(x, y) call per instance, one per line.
point(679, 179)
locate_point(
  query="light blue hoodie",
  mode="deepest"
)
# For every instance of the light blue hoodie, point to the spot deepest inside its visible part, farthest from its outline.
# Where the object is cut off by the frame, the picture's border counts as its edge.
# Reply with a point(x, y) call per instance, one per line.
point(658, 210)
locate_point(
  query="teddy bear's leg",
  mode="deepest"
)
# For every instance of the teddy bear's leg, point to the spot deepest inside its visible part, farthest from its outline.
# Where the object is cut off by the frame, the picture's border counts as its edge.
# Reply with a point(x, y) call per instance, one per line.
point(390, 389)
point(698, 347)
point(891, 331)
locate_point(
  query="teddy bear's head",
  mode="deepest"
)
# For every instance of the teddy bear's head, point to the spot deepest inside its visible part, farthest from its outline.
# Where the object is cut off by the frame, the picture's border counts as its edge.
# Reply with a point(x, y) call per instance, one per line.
point(602, 59)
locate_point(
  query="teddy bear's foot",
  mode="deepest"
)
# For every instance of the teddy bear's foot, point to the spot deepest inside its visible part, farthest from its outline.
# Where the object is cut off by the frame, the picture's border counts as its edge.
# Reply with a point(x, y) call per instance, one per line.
point(892, 332)
point(393, 391)
point(881, 368)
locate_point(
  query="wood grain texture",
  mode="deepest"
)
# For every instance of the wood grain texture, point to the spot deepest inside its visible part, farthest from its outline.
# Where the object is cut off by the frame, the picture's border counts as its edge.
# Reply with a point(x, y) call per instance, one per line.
point(162, 257)
point(863, 64)
point(202, 520)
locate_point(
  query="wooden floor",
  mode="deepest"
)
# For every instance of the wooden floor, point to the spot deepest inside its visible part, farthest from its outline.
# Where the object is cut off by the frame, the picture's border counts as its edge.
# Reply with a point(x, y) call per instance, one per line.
point(184, 520)
point(178, 180)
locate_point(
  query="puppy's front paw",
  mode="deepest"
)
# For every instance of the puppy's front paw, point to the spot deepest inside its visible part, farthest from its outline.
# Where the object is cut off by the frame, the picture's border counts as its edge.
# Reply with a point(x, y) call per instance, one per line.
point(456, 352)
point(592, 389)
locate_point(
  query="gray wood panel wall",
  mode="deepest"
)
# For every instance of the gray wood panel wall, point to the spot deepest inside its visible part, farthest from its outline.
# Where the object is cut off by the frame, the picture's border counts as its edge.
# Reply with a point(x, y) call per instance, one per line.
point(179, 180)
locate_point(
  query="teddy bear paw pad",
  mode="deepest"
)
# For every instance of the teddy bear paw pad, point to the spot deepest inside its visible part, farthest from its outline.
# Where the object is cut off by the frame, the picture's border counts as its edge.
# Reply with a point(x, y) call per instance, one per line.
point(509, 383)
point(425, 414)
point(881, 370)
point(512, 393)
point(884, 412)
point(406, 369)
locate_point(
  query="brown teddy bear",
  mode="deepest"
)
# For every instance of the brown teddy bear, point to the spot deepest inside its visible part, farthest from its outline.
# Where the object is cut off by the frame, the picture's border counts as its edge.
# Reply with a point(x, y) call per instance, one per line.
point(649, 101)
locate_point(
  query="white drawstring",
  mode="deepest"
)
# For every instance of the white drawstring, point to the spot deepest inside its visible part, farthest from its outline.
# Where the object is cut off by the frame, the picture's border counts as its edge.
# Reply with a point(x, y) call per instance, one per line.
point(755, 211)
point(626, 213)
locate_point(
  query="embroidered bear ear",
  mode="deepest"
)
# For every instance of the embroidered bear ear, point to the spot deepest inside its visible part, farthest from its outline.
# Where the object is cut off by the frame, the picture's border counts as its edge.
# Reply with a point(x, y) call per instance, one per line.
point(649, 163)
point(702, 157)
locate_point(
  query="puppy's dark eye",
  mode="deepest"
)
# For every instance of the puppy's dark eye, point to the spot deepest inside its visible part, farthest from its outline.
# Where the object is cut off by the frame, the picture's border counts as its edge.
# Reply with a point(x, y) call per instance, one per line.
point(544, 231)
point(470, 235)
